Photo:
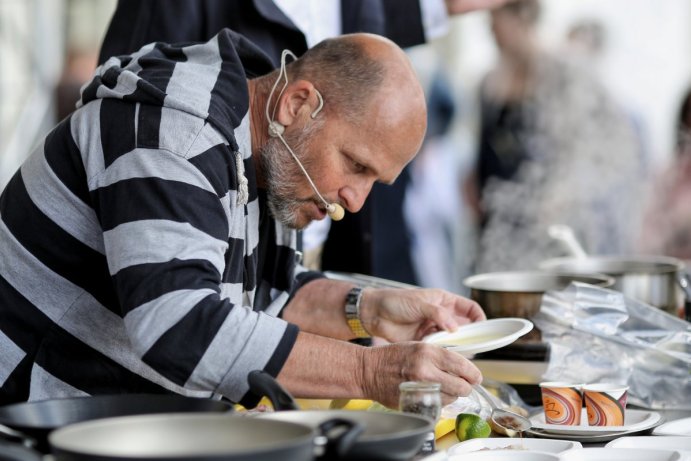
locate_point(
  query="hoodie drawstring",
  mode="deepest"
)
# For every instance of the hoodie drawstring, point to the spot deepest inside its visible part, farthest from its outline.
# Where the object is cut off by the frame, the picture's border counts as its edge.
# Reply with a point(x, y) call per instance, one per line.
point(243, 192)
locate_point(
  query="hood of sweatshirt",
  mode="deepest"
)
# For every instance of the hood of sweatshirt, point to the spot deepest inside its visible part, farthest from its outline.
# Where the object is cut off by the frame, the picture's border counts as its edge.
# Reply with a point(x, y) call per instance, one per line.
point(207, 80)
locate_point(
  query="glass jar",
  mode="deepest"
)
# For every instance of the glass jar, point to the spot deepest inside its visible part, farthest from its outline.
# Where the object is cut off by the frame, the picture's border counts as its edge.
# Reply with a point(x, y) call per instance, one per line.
point(422, 398)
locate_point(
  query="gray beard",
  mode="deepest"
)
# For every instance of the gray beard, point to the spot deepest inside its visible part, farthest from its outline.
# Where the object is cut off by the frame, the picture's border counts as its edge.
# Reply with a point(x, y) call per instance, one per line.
point(283, 176)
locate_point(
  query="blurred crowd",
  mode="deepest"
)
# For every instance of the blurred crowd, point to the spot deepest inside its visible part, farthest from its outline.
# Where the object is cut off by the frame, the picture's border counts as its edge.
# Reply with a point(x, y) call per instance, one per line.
point(552, 145)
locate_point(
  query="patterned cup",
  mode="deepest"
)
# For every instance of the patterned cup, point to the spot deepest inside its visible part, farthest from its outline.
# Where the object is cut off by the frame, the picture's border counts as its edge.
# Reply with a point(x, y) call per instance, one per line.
point(605, 404)
point(562, 403)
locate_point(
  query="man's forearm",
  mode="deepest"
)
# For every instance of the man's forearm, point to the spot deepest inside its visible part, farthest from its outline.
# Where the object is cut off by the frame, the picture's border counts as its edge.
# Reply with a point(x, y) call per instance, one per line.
point(318, 307)
point(319, 367)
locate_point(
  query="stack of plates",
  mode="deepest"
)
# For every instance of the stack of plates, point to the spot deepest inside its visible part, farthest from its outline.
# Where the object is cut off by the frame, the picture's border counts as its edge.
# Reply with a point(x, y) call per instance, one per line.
point(636, 421)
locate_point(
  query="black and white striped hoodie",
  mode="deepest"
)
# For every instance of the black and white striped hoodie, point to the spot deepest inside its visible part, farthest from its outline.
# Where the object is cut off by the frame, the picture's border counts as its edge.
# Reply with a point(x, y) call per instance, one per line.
point(129, 262)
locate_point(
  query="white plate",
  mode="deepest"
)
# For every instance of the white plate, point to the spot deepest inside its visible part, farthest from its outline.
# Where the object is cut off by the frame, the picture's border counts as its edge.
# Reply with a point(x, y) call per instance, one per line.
point(672, 442)
point(636, 420)
point(495, 443)
point(483, 336)
point(508, 455)
point(645, 420)
point(676, 427)
point(621, 454)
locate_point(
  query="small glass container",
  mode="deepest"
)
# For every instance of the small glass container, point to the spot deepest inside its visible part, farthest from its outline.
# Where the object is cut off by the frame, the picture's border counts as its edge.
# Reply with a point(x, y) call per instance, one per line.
point(421, 398)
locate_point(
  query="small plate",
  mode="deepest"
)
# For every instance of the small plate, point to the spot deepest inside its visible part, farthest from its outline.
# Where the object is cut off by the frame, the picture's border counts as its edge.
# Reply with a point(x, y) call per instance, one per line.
point(621, 454)
point(636, 421)
point(672, 442)
point(676, 427)
point(497, 443)
point(504, 455)
point(483, 336)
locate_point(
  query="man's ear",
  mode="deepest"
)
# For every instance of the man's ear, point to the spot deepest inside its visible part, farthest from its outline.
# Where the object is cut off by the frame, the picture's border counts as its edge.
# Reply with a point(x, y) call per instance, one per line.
point(299, 96)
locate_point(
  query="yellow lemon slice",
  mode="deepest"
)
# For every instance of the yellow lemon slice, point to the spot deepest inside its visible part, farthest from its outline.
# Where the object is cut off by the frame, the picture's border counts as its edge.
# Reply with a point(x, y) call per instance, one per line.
point(443, 427)
point(350, 404)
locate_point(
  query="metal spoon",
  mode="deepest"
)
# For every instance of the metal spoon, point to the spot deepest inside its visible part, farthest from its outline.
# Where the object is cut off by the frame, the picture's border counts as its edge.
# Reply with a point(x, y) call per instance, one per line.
point(504, 418)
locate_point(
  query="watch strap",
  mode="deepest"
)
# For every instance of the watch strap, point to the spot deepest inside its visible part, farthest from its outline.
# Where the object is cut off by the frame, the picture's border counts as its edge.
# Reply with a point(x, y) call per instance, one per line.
point(352, 312)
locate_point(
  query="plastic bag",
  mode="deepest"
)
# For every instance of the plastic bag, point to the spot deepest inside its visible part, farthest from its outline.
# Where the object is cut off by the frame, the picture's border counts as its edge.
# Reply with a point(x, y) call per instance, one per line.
point(504, 396)
point(600, 335)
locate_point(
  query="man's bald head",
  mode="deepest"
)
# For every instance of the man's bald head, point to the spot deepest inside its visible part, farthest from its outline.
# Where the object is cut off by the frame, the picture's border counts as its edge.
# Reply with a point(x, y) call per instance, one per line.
point(350, 71)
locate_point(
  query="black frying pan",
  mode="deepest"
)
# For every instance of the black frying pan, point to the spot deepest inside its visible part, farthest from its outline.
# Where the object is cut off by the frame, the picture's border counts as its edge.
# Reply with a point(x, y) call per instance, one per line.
point(14, 452)
point(183, 437)
point(34, 420)
point(386, 436)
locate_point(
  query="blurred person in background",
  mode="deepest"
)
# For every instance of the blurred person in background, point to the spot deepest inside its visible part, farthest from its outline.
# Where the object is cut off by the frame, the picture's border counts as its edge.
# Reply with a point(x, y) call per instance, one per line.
point(553, 148)
point(585, 46)
point(667, 224)
point(433, 206)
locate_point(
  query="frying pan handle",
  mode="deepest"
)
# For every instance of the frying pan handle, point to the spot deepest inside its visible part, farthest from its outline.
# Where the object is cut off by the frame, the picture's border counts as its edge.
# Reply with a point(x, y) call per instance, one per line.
point(566, 236)
point(13, 435)
point(263, 384)
point(337, 446)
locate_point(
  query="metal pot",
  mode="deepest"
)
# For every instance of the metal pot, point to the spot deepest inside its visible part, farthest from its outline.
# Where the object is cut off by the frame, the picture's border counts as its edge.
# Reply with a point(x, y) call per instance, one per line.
point(651, 279)
point(30, 422)
point(519, 293)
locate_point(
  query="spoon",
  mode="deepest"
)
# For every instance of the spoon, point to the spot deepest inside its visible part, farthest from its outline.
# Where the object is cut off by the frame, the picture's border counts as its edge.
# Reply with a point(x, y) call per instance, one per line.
point(504, 418)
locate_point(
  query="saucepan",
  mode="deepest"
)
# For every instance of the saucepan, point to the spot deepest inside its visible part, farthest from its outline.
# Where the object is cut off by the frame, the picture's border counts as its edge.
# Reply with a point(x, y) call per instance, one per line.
point(30, 422)
point(519, 293)
point(652, 279)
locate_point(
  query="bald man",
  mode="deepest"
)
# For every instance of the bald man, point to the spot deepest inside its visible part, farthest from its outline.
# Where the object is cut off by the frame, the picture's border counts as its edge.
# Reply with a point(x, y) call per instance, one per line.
point(151, 237)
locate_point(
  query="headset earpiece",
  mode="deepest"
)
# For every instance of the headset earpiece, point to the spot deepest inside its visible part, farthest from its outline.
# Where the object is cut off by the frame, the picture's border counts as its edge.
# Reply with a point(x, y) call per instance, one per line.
point(275, 129)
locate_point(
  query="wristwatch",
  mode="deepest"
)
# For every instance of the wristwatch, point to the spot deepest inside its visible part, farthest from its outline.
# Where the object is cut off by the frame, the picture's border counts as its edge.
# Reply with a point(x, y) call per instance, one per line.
point(352, 312)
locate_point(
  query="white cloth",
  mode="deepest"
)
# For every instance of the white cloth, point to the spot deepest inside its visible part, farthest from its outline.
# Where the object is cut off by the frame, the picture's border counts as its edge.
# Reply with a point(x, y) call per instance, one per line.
point(316, 19)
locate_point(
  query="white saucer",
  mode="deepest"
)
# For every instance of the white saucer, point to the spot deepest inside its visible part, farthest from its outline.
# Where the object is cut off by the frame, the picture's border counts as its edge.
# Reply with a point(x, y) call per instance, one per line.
point(621, 454)
point(676, 427)
point(496, 443)
point(670, 442)
point(483, 336)
point(636, 421)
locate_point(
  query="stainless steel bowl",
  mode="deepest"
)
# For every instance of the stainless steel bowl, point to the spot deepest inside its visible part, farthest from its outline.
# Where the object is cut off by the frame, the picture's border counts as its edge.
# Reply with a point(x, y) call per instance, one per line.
point(519, 293)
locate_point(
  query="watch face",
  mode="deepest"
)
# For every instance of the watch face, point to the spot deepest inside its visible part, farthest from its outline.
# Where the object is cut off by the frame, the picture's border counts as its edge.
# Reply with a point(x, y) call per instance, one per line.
point(352, 299)
point(352, 308)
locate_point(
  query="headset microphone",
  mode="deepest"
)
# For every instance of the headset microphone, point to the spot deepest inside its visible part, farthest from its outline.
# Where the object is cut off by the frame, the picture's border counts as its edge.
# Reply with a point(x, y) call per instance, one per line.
point(334, 210)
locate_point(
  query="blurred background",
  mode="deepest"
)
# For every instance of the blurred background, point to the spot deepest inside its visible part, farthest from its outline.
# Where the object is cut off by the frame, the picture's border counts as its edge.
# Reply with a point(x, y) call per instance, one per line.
point(565, 114)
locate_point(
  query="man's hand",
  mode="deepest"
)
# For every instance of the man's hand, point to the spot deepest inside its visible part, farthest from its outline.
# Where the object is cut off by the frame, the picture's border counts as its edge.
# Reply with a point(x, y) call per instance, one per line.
point(405, 315)
point(385, 367)
point(466, 6)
